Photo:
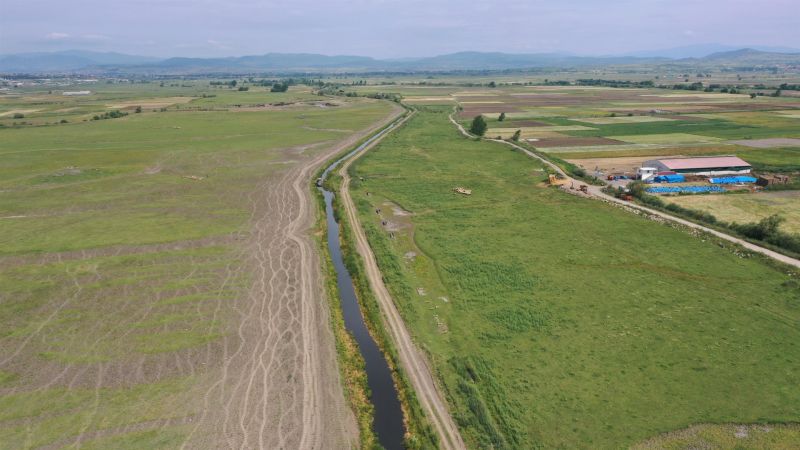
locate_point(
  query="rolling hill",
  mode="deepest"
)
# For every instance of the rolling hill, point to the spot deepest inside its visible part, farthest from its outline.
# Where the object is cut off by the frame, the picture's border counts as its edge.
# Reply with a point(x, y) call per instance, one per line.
point(100, 63)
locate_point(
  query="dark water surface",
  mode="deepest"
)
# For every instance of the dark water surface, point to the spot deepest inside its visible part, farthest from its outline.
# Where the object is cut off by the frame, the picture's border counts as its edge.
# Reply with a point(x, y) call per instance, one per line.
point(388, 424)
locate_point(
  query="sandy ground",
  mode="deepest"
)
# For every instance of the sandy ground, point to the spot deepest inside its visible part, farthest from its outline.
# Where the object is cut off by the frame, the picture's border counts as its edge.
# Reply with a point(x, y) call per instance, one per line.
point(151, 103)
point(414, 364)
point(606, 165)
point(279, 385)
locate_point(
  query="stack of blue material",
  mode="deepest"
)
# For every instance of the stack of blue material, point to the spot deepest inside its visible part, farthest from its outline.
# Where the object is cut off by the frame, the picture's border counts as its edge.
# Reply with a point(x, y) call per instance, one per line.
point(684, 189)
point(732, 180)
point(676, 178)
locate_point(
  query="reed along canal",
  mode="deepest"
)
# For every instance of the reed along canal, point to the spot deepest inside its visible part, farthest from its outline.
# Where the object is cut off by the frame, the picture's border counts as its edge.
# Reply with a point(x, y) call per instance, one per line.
point(388, 425)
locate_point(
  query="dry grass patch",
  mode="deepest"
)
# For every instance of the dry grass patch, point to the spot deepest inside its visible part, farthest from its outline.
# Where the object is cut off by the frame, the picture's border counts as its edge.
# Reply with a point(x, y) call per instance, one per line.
point(428, 99)
point(667, 138)
point(745, 208)
point(151, 103)
point(18, 111)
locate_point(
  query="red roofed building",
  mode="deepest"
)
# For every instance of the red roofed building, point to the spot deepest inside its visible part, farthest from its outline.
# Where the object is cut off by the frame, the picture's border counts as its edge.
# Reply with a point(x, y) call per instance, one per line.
point(702, 165)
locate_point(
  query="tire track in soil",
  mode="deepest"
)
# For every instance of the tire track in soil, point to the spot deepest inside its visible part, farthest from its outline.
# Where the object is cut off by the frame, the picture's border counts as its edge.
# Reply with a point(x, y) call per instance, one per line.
point(279, 384)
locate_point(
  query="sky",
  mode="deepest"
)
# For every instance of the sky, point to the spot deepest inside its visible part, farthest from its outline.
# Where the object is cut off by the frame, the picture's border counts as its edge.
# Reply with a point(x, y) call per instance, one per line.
point(390, 28)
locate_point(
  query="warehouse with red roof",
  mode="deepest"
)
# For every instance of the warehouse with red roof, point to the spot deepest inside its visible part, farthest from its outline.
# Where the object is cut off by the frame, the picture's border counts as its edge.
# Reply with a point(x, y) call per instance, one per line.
point(702, 165)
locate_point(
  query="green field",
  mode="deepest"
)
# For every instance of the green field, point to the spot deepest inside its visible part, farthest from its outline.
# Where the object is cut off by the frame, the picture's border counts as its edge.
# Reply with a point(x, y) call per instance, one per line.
point(560, 322)
point(121, 254)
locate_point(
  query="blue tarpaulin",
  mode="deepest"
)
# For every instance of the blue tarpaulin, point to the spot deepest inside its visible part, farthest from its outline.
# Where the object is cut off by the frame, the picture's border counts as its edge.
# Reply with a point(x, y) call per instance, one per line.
point(732, 180)
point(684, 189)
point(676, 178)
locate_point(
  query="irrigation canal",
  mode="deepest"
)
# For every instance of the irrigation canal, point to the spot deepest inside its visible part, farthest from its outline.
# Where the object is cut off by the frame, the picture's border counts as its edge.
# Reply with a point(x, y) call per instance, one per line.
point(388, 425)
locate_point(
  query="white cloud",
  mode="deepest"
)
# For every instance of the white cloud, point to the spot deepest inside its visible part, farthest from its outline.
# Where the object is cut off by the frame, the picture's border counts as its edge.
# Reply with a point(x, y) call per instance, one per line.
point(55, 36)
point(95, 37)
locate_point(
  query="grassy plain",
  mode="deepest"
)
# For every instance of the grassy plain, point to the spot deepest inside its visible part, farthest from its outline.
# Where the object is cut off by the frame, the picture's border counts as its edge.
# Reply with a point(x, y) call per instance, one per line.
point(120, 252)
point(560, 322)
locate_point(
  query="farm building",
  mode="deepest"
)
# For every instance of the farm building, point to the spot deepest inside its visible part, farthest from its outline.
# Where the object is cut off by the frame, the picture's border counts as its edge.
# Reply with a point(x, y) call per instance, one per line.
point(703, 165)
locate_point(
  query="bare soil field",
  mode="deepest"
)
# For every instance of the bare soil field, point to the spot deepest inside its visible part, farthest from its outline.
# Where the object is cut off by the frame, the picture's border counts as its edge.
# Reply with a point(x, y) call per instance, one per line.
point(279, 385)
point(628, 164)
point(769, 143)
point(471, 111)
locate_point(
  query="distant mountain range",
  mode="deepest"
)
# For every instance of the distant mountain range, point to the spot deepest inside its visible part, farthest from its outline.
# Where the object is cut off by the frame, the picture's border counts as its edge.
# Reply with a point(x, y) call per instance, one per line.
point(703, 50)
point(76, 61)
point(68, 60)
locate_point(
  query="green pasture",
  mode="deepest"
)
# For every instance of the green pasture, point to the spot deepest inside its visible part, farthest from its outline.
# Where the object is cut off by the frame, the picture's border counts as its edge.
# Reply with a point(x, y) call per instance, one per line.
point(555, 321)
point(124, 181)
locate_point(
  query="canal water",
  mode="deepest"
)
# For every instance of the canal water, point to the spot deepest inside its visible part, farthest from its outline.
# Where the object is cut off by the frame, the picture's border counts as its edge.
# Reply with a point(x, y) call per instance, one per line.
point(388, 424)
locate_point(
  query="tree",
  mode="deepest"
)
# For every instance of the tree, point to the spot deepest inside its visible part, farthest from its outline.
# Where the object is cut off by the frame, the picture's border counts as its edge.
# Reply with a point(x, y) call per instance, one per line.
point(516, 135)
point(478, 126)
point(279, 87)
point(752, 95)
point(138, 109)
point(502, 117)
point(762, 230)
point(492, 84)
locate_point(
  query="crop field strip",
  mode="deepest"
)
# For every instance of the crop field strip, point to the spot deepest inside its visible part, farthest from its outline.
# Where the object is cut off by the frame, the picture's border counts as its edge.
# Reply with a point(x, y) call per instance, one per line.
point(624, 123)
point(130, 250)
point(548, 322)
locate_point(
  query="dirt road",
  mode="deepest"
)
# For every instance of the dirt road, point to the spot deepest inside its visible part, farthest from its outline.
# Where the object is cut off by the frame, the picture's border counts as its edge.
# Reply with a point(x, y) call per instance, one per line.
point(279, 384)
point(411, 359)
point(595, 191)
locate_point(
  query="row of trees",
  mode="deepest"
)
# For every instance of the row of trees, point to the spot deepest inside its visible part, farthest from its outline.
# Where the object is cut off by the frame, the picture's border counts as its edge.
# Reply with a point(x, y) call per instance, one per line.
point(110, 115)
point(274, 85)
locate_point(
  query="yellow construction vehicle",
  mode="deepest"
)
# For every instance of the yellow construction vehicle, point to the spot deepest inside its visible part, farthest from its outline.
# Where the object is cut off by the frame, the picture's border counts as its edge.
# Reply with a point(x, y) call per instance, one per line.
point(555, 181)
